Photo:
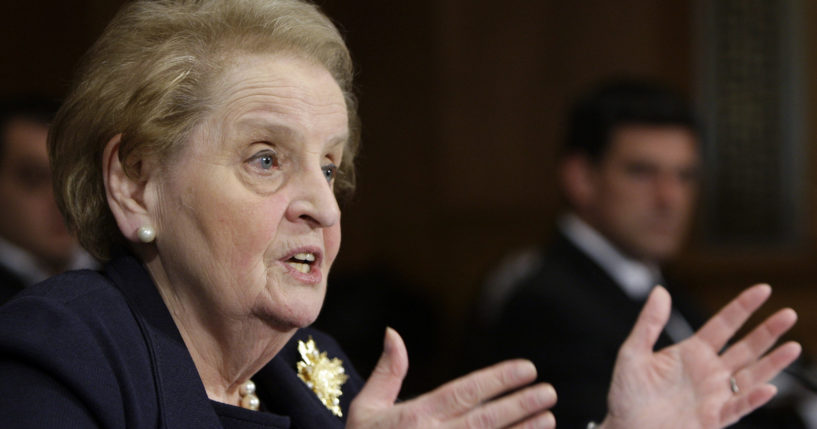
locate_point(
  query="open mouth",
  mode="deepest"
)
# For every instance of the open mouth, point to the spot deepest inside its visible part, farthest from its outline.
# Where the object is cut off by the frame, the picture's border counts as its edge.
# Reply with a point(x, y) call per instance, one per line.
point(302, 262)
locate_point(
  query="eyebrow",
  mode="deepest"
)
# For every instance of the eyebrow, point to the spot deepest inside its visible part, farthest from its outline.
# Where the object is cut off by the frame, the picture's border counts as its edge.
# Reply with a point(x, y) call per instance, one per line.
point(278, 130)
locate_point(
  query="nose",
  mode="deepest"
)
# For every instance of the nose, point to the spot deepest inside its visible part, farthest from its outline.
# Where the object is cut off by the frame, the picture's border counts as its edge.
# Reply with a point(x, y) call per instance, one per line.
point(313, 200)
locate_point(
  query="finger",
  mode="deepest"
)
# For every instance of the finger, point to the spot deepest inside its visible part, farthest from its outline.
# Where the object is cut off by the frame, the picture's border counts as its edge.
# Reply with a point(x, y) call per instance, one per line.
point(520, 406)
point(768, 367)
point(753, 381)
point(744, 404)
point(461, 395)
point(759, 340)
point(544, 420)
point(717, 331)
point(383, 386)
point(650, 322)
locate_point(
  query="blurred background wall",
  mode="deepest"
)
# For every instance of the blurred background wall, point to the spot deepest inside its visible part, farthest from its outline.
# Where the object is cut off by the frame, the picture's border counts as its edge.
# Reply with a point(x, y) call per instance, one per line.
point(462, 103)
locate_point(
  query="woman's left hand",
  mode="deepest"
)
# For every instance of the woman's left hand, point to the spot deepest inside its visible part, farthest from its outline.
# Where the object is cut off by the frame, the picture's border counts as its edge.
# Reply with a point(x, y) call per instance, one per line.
point(692, 384)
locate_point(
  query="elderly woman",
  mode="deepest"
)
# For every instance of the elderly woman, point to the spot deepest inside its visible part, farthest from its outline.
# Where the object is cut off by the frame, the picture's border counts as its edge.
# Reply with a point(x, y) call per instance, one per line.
point(199, 155)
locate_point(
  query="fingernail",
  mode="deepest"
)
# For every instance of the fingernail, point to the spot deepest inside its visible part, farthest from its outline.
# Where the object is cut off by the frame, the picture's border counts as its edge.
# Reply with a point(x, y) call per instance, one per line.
point(387, 345)
point(545, 421)
point(551, 391)
point(545, 395)
point(525, 370)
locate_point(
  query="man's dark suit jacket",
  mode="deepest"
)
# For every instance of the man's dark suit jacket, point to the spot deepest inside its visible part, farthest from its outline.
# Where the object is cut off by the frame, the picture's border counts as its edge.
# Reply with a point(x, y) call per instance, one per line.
point(100, 350)
point(570, 318)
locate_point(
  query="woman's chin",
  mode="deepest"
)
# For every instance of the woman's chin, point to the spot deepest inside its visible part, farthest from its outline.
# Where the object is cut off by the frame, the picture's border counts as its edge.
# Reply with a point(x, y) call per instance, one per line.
point(298, 314)
point(291, 322)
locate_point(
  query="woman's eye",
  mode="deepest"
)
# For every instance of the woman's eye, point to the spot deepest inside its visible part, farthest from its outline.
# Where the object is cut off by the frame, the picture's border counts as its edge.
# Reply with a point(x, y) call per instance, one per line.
point(330, 171)
point(266, 160)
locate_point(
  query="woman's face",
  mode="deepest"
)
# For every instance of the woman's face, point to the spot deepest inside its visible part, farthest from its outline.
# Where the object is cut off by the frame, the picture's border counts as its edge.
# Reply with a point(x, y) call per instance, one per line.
point(247, 222)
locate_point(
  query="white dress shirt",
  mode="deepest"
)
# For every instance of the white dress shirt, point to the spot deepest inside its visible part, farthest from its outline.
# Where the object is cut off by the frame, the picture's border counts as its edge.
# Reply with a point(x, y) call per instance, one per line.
point(635, 278)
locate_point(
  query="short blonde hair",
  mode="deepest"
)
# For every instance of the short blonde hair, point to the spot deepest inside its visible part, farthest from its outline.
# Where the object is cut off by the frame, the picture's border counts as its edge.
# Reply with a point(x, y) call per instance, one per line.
point(148, 77)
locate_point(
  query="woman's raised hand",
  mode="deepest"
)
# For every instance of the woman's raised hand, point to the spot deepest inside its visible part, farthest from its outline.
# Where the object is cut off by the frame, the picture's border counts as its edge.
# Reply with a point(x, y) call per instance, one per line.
point(693, 384)
point(468, 402)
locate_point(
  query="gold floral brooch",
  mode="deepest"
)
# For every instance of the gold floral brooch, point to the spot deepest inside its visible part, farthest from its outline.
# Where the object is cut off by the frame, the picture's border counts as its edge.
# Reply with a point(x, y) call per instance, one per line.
point(321, 374)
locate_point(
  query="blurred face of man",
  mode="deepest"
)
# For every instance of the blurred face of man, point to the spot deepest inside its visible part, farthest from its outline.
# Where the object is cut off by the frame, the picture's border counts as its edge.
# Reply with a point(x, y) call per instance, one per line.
point(641, 194)
point(29, 217)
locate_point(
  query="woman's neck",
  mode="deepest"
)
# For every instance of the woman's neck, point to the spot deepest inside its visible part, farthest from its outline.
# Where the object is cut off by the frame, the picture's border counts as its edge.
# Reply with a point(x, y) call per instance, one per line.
point(226, 358)
point(226, 351)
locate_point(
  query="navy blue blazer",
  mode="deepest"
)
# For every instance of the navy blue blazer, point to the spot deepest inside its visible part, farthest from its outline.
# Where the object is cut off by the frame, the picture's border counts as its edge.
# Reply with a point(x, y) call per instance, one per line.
point(10, 284)
point(92, 349)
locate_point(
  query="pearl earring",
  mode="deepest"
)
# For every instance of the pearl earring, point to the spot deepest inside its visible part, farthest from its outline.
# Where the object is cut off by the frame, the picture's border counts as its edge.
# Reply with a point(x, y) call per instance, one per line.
point(146, 234)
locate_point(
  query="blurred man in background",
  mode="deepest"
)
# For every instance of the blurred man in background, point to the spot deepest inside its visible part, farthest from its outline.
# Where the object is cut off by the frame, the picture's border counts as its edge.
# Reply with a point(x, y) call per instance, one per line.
point(629, 173)
point(34, 242)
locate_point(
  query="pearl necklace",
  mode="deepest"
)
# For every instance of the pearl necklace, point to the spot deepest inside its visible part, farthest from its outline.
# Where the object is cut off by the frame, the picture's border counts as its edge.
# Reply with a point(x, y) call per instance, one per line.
point(248, 398)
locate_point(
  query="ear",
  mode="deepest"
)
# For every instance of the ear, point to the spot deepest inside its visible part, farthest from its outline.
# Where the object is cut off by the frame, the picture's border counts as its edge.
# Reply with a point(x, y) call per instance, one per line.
point(124, 193)
point(579, 181)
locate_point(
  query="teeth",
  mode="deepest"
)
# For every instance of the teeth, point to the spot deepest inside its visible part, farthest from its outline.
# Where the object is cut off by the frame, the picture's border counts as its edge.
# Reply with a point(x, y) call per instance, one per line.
point(309, 257)
point(304, 268)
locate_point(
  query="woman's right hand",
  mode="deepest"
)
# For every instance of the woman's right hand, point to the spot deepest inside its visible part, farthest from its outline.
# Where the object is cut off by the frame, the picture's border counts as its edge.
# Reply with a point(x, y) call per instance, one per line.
point(468, 402)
